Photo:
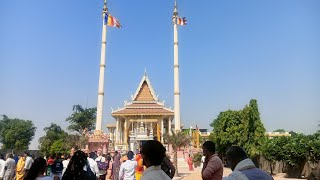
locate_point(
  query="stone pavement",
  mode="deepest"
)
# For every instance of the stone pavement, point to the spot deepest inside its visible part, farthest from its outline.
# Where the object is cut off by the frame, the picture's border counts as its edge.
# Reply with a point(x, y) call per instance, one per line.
point(185, 174)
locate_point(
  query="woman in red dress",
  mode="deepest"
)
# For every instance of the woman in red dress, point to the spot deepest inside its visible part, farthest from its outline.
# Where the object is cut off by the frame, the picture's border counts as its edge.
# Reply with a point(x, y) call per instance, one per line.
point(190, 163)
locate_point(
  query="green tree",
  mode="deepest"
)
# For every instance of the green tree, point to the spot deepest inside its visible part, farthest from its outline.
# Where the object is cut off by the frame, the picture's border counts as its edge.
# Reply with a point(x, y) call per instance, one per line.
point(53, 133)
point(177, 140)
point(82, 119)
point(59, 146)
point(243, 128)
point(16, 134)
point(280, 130)
point(73, 140)
point(314, 147)
point(273, 151)
point(293, 134)
point(255, 129)
point(228, 130)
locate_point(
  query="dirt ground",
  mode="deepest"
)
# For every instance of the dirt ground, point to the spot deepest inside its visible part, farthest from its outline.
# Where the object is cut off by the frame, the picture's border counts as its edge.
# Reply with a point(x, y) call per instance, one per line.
point(185, 174)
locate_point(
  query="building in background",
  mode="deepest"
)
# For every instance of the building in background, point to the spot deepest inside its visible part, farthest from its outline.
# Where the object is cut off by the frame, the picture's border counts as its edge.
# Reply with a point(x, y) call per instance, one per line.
point(143, 118)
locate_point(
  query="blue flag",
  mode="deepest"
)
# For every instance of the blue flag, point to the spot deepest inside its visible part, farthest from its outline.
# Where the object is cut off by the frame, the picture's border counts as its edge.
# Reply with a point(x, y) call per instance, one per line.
point(106, 19)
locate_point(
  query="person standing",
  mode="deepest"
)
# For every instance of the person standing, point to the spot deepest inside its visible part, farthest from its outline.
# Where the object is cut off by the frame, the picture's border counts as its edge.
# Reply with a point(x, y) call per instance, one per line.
point(57, 167)
point(101, 161)
point(50, 162)
point(212, 166)
point(243, 168)
point(79, 168)
point(37, 169)
point(153, 153)
point(139, 169)
point(202, 161)
point(28, 162)
point(190, 163)
point(20, 168)
point(65, 163)
point(109, 170)
point(73, 150)
point(10, 166)
point(93, 164)
point(127, 168)
point(116, 166)
point(2, 165)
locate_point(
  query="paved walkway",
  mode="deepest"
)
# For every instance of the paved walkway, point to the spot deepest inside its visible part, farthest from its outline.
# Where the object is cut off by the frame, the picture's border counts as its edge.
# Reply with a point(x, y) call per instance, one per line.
point(185, 174)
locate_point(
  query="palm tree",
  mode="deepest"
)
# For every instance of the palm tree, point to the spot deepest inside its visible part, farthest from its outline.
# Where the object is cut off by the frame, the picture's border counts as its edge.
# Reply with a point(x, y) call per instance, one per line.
point(177, 140)
point(82, 119)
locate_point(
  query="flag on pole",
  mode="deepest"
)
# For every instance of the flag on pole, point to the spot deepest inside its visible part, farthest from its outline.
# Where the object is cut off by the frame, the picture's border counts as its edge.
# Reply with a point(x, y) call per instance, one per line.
point(112, 21)
point(181, 21)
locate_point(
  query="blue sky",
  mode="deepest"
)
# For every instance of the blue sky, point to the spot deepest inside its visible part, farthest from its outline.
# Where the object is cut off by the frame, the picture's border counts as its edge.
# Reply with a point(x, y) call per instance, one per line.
point(230, 52)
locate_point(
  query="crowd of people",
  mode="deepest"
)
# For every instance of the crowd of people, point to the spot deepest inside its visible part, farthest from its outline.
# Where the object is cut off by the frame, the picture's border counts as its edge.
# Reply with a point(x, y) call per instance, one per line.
point(149, 163)
point(80, 165)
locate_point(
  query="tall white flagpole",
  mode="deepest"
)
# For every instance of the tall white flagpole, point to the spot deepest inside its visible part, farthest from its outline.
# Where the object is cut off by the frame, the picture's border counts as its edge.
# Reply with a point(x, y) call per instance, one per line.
point(102, 69)
point(177, 120)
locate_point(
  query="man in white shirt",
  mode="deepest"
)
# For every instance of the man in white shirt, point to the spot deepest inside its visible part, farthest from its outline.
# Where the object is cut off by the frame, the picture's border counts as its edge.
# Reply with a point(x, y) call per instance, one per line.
point(65, 163)
point(2, 165)
point(93, 164)
point(29, 161)
point(10, 166)
point(153, 153)
point(127, 169)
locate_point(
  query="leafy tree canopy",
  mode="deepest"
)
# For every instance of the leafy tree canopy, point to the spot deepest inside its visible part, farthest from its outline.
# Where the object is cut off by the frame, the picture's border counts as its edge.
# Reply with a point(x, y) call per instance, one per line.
point(243, 128)
point(82, 119)
point(280, 130)
point(53, 133)
point(293, 149)
point(16, 134)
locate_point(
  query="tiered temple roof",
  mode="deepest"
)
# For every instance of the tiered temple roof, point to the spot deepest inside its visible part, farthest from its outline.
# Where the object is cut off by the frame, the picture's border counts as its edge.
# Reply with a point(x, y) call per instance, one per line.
point(144, 102)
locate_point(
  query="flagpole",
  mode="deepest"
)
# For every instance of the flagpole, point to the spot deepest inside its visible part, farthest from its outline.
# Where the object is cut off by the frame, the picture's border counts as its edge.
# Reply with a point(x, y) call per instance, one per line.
point(177, 120)
point(102, 70)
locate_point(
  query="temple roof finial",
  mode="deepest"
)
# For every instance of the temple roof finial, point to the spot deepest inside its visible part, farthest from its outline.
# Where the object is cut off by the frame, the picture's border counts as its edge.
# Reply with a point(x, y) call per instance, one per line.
point(145, 71)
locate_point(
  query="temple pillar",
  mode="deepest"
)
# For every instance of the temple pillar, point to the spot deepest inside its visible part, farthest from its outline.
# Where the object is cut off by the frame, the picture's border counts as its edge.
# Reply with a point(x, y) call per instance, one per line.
point(162, 132)
point(120, 131)
point(158, 131)
point(125, 139)
point(117, 131)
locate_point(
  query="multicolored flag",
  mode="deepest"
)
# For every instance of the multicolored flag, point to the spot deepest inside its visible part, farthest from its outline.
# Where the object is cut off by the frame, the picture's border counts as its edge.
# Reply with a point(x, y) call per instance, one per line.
point(181, 21)
point(111, 21)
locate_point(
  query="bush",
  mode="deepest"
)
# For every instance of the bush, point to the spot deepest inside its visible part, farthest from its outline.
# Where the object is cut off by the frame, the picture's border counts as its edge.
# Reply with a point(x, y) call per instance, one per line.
point(197, 159)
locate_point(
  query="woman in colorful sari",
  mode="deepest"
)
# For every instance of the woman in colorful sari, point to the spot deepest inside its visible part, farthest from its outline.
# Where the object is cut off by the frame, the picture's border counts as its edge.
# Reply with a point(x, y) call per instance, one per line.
point(20, 168)
point(190, 163)
point(139, 168)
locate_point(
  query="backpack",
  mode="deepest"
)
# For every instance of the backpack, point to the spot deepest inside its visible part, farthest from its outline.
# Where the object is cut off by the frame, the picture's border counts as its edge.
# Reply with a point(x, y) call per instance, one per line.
point(102, 165)
point(57, 167)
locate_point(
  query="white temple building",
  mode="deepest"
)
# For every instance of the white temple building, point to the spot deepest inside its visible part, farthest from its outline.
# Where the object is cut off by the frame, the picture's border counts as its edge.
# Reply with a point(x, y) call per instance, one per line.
point(144, 118)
